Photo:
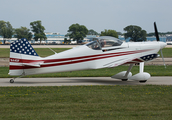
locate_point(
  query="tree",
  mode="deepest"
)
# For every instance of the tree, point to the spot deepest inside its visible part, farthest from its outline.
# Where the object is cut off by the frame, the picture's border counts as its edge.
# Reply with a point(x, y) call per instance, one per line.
point(119, 33)
point(6, 30)
point(67, 35)
point(38, 30)
point(111, 33)
point(135, 33)
point(23, 32)
point(77, 32)
point(92, 32)
point(151, 34)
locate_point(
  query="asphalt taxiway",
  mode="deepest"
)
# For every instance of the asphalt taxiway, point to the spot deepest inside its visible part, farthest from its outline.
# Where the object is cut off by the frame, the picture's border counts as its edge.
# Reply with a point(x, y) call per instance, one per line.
point(74, 81)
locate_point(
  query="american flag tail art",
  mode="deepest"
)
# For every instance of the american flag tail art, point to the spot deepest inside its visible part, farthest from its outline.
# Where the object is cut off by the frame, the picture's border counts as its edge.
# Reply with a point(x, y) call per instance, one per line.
point(19, 50)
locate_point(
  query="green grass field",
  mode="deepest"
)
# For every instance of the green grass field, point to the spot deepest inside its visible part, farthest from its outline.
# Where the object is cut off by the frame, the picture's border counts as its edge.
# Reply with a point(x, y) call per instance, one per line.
point(43, 52)
point(86, 102)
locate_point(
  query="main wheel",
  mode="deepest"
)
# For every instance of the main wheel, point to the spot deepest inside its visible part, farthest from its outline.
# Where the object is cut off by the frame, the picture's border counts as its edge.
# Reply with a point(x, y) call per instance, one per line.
point(12, 81)
point(124, 79)
point(142, 81)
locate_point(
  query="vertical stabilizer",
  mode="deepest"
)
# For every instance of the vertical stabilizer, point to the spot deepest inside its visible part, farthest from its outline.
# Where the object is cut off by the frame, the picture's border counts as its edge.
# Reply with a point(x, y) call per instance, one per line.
point(20, 50)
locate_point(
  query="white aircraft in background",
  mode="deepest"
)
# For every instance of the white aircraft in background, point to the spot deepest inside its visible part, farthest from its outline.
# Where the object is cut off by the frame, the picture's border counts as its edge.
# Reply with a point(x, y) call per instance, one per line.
point(103, 52)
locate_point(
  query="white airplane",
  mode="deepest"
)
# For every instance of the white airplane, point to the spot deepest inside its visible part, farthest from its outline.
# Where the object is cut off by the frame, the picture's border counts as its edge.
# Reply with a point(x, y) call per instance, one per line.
point(103, 52)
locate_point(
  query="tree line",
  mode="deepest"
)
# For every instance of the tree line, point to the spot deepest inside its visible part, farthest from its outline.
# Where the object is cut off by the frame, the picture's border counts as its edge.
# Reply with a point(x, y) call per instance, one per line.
point(76, 32)
point(7, 31)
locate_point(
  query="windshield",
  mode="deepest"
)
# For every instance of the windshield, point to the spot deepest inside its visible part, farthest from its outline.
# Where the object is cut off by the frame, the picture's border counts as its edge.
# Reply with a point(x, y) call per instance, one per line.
point(94, 45)
point(104, 42)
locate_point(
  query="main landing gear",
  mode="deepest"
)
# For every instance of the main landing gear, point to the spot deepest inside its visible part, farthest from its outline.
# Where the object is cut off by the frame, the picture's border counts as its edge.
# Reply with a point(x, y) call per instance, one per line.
point(124, 79)
point(142, 77)
point(142, 81)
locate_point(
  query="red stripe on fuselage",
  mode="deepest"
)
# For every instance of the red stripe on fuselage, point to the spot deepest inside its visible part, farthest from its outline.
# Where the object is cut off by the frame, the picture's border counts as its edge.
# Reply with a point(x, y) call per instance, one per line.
point(66, 61)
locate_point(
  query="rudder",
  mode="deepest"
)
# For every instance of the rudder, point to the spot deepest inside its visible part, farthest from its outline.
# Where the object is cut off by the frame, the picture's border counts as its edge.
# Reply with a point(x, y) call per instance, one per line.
point(19, 50)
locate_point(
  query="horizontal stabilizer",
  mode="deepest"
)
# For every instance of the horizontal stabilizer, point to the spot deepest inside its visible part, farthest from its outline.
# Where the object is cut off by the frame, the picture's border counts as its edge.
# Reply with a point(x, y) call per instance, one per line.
point(35, 64)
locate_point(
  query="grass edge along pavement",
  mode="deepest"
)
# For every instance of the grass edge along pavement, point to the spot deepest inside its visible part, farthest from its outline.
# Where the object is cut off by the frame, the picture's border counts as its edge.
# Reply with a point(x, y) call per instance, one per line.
point(87, 102)
point(105, 72)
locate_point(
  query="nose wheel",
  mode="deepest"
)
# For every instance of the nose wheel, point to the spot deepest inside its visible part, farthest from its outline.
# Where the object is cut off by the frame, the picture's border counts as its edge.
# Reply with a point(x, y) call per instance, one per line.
point(12, 81)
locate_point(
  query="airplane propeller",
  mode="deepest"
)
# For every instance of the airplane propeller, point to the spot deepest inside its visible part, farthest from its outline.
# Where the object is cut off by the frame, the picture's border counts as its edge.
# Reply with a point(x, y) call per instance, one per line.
point(157, 38)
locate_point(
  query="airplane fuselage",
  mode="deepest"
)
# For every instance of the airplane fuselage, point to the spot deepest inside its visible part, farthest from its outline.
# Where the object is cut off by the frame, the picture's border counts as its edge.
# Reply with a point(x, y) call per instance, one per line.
point(83, 57)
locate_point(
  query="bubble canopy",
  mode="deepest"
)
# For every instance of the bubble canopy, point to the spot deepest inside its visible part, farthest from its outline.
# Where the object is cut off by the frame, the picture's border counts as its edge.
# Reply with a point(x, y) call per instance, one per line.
point(104, 42)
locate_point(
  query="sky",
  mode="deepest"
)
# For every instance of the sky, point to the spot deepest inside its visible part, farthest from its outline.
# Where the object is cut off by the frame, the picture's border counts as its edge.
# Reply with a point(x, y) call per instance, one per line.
point(58, 15)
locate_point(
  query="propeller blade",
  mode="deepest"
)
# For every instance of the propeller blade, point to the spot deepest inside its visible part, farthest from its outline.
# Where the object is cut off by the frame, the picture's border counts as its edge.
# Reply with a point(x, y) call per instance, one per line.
point(163, 58)
point(157, 38)
point(156, 32)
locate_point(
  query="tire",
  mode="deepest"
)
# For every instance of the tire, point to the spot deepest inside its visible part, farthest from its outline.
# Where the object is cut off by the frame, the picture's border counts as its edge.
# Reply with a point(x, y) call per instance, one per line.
point(142, 81)
point(12, 81)
point(124, 79)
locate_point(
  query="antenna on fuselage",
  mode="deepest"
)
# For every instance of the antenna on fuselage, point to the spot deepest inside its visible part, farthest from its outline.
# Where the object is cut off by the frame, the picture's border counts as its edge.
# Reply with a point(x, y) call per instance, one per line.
point(50, 49)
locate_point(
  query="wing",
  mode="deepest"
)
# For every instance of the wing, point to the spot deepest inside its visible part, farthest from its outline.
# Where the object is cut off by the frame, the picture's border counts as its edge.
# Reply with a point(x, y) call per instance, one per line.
point(121, 62)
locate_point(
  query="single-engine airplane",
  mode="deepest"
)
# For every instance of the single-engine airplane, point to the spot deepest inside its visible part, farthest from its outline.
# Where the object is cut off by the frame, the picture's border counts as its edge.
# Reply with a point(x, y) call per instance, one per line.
point(102, 52)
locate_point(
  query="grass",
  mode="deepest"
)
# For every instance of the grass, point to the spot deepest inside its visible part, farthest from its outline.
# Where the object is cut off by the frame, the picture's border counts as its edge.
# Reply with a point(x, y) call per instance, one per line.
point(86, 102)
point(4, 52)
point(43, 52)
point(106, 72)
point(167, 52)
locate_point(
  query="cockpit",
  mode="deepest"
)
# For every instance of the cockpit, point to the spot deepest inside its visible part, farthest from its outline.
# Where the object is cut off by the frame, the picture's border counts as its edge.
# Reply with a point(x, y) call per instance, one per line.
point(104, 42)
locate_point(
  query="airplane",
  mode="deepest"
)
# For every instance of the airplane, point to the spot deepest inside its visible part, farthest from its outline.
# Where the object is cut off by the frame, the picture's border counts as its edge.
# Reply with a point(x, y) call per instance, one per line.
point(102, 52)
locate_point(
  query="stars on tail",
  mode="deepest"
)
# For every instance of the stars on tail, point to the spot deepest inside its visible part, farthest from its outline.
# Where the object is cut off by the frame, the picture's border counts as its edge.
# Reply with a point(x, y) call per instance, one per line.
point(22, 47)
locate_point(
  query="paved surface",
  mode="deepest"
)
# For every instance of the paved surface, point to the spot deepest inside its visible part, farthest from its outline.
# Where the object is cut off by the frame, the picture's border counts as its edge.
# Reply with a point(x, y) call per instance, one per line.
point(81, 81)
point(168, 46)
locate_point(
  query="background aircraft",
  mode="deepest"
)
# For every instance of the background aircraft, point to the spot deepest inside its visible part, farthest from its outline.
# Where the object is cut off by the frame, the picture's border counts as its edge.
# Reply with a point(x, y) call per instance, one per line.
point(103, 52)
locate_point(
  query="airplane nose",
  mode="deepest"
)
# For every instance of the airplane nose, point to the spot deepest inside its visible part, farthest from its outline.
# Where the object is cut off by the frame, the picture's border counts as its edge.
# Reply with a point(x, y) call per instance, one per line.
point(162, 45)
